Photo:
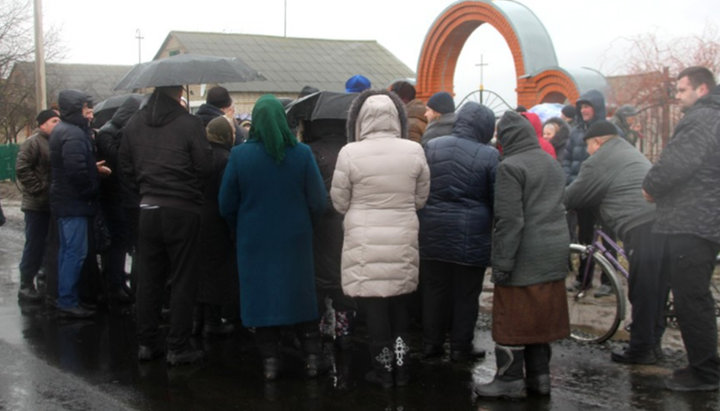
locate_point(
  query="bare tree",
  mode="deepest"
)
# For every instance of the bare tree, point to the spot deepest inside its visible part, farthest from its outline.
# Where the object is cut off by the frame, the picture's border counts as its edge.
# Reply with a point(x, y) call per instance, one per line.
point(17, 98)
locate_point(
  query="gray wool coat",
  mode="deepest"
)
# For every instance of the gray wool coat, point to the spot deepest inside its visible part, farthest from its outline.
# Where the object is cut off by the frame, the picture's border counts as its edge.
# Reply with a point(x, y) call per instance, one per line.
point(530, 238)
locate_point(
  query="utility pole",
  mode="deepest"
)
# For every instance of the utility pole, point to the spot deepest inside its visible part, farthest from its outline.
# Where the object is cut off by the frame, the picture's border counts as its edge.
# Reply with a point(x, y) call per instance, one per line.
point(482, 87)
point(285, 19)
point(40, 86)
point(139, 38)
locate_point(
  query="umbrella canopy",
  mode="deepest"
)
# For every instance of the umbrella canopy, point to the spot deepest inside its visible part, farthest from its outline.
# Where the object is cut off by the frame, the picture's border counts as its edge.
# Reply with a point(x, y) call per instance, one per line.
point(104, 110)
point(323, 105)
point(183, 69)
point(546, 110)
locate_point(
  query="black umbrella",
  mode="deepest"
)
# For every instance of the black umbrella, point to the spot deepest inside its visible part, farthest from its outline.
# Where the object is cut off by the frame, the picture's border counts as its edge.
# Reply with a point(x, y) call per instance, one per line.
point(323, 105)
point(184, 69)
point(104, 110)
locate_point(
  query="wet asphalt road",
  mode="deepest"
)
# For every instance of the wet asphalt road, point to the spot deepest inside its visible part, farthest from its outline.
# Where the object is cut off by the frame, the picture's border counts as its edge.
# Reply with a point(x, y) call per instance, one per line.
point(53, 364)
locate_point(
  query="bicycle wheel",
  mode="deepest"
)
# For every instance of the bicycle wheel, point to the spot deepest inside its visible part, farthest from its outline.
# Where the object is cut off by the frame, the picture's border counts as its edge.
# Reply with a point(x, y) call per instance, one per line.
point(593, 318)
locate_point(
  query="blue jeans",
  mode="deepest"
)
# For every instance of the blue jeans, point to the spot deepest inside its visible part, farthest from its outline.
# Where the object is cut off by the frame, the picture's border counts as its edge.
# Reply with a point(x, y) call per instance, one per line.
point(73, 235)
point(36, 230)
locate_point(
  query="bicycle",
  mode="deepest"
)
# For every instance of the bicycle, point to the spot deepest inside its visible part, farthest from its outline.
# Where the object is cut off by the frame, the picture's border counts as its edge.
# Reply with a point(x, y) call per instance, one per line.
point(595, 318)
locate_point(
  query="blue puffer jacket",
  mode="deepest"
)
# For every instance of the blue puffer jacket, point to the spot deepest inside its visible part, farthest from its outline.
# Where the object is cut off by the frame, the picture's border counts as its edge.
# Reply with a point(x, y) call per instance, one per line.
point(456, 223)
point(74, 179)
point(576, 149)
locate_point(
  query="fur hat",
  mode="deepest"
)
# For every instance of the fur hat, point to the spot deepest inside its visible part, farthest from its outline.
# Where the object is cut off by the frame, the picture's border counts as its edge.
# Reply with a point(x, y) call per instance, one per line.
point(601, 128)
point(218, 97)
point(357, 83)
point(442, 102)
point(46, 115)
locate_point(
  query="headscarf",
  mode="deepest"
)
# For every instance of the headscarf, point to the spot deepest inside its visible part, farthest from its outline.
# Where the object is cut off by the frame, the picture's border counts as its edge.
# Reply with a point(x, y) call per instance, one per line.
point(219, 131)
point(270, 127)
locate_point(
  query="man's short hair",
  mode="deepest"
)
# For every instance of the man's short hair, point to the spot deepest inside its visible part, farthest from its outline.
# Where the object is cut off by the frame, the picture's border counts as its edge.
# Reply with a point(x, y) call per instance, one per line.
point(698, 76)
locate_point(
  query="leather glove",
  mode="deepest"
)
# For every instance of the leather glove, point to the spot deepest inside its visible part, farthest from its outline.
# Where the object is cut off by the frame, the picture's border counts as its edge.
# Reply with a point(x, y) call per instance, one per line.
point(500, 277)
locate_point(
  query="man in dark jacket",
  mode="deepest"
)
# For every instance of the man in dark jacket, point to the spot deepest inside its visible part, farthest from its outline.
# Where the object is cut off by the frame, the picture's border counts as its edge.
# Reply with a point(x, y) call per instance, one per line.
point(73, 194)
point(32, 169)
point(591, 106)
point(219, 103)
point(685, 184)
point(455, 230)
point(440, 113)
point(166, 155)
point(119, 204)
point(610, 180)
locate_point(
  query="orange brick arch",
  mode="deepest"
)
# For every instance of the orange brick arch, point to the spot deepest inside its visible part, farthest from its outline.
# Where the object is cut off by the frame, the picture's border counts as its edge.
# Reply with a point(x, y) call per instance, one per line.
point(447, 36)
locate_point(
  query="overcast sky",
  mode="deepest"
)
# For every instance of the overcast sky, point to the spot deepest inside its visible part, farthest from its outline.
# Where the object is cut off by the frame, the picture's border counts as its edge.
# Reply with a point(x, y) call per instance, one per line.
point(584, 33)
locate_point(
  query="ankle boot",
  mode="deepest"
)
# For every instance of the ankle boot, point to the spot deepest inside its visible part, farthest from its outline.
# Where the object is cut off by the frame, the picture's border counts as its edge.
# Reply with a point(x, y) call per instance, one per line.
point(382, 367)
point(537, 368)
point(508, 381)
point(402, 376)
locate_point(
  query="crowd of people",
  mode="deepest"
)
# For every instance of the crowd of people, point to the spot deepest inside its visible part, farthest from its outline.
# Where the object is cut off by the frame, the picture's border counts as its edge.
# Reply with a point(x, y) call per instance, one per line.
point(308, 228)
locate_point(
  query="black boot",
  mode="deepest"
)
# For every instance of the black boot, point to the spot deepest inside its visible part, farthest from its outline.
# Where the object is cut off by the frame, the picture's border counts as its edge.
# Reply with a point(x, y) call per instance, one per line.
point(402, 376)
point(508, 381)
point(214, 324)
point(312, 348)
point(537, 368)
point(382, 363)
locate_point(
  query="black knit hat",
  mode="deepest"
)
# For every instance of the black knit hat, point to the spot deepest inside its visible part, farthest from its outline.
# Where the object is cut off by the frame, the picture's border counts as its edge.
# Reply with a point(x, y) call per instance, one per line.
point(601, 128)
point(219, 97)
point(569, 111)
point(46, 115)
point(442, 102)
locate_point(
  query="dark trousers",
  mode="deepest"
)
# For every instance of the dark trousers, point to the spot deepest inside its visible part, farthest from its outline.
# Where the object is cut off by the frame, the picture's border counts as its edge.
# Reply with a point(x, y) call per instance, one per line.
point(450, 300)
point(168, 253)
point(268, 338)
point(691, 261)
point(386, 318)
point(37, 224)
point(648, 286)
point(120, 243)
point(582, 229)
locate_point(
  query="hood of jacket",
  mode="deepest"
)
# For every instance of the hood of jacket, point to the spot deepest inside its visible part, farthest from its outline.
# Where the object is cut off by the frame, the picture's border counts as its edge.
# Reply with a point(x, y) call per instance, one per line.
point(126, 110)
point(71, 104)
point(597, 101)
point(516, 134)
point(161, 109)
point(535, 121)
point(474, 121)
point(376, 113)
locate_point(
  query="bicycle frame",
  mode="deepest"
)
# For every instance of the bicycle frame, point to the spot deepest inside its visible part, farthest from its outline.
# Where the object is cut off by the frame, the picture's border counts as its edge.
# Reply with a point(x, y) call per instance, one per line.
point(599, 244)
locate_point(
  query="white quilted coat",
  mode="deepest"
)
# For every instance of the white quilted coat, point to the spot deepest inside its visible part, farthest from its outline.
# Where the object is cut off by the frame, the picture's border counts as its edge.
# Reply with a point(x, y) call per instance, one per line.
point(380, 181)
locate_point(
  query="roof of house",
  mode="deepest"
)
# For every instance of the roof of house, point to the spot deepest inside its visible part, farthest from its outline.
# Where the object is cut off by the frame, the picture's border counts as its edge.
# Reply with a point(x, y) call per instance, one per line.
point(289, 63)
point(97, 80)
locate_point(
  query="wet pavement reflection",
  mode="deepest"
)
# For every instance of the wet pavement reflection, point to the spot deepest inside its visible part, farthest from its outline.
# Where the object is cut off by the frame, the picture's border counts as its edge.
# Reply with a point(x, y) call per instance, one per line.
point(53, 363)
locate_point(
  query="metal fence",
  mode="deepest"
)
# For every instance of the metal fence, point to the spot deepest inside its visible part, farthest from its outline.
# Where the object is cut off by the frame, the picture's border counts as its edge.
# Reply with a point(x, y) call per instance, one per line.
point(8, 153)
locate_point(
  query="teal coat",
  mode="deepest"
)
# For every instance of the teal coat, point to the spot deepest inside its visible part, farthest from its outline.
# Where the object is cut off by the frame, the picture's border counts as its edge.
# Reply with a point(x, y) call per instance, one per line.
point(272, 206)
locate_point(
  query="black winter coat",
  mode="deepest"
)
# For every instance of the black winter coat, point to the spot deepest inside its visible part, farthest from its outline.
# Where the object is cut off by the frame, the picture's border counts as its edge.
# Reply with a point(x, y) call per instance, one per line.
point(576, 149)
point(166, 155)
point(218, 281)
point(112, 190)
point(74, 177)
point(685, 181)
point(32, 169)
point(456, 222)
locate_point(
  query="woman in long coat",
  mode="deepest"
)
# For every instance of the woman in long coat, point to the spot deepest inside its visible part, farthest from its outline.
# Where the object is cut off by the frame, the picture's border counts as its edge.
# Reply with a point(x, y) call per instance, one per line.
point(218, 284)
point(529, 262)
point(271, 191)
point(380, 181)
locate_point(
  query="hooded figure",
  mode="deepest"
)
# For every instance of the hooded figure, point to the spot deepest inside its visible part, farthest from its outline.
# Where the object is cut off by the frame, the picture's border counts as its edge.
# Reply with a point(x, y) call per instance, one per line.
point(529, 262)
point(73, 194)
point(118, 202)
point(575, 150)
point(381, 179)
point(218, 285)
point(270, 193)
point(455, 229)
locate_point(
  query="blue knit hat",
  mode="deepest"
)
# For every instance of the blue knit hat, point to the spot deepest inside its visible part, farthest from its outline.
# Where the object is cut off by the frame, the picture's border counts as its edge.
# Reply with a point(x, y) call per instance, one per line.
point(356, 84)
